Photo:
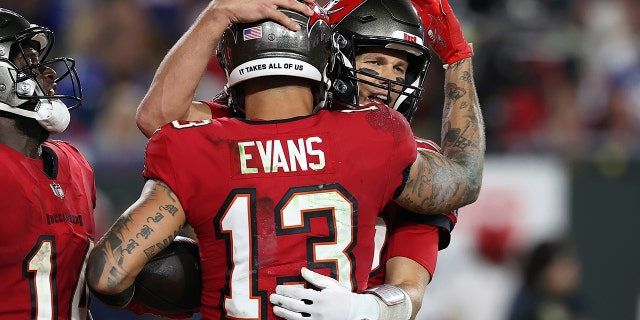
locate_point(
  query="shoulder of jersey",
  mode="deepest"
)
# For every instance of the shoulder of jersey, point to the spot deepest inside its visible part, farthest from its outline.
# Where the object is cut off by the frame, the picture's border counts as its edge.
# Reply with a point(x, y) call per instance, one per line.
point(370, 107)
point(427, 144)
point(218, 109)
point(59, 145)
point(179, 125)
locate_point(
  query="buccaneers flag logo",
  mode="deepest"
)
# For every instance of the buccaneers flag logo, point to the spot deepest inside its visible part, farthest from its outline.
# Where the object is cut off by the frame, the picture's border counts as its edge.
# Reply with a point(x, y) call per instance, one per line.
point(319, 14)
point(338, 9)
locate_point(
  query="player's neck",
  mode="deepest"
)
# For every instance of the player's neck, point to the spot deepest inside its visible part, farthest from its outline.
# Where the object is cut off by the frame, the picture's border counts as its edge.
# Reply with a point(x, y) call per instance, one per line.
point(275, 98)
point(16, 140)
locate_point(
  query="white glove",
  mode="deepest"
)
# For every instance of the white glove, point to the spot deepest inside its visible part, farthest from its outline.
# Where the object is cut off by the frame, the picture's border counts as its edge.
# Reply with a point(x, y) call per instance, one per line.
point(333, 302)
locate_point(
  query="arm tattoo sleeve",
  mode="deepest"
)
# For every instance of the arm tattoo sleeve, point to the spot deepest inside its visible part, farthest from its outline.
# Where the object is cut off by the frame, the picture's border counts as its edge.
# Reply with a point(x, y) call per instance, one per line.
point(463, 137)
point(447, 181)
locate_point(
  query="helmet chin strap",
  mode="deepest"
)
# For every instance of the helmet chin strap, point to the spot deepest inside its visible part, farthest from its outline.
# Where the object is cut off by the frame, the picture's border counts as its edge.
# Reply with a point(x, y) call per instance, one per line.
point(52, 115)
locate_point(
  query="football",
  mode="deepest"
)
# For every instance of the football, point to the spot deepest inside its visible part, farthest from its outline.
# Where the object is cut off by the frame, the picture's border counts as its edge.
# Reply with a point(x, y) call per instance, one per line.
point(171, 281)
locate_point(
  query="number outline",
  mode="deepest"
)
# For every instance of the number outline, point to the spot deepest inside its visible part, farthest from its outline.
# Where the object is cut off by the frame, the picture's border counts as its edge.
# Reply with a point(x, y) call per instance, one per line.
point(236, 224)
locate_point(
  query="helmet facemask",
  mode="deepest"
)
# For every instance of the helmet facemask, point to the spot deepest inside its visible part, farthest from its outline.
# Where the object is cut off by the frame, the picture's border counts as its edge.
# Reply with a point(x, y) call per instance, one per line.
point(380, 24)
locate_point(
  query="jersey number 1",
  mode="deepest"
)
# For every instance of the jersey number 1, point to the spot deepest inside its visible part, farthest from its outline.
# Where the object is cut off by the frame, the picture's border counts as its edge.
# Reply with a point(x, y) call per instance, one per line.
point(40, 267)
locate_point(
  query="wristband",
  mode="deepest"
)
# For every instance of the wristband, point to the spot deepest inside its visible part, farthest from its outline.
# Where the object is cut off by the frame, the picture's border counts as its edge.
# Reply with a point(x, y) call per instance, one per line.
point(393, 302)
point(119, 300)
point(389, 294)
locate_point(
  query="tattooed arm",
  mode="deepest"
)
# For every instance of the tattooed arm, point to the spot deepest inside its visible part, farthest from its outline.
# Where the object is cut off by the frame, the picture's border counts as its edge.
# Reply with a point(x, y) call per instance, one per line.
point(443, 182)
point(147, 227)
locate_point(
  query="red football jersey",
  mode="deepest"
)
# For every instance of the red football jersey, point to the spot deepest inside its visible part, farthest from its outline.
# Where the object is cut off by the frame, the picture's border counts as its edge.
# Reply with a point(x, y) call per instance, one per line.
point(432, 232)
point(266, 198)
point(46, 233)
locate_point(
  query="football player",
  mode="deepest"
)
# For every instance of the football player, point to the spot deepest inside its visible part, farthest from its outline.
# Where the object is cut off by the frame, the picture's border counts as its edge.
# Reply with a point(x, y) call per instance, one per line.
point(402, 37)
point(383, 47)
point(255, 190)
point(48, 188)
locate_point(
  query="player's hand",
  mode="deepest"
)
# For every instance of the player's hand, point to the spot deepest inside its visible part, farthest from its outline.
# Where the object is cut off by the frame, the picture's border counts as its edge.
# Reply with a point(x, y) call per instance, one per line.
point(442, 30)
point(332, 302)
point(256, 10)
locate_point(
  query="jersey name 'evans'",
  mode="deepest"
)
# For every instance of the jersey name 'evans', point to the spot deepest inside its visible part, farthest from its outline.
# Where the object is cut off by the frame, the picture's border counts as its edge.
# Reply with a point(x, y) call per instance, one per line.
point(289, 155)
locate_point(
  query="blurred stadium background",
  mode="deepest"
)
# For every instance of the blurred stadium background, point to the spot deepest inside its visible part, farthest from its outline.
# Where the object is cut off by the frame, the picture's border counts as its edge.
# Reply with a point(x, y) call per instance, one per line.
point(559, 83)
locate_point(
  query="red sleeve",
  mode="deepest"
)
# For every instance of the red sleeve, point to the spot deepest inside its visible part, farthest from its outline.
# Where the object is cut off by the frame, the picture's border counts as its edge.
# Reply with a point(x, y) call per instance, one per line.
point(165, 158)
point(218, 110)
point(406, 238)
point(158, 162)
point(417, 242)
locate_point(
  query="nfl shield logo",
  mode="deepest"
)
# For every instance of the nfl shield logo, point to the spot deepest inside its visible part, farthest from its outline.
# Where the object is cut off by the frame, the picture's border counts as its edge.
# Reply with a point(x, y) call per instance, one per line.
point(57, 190)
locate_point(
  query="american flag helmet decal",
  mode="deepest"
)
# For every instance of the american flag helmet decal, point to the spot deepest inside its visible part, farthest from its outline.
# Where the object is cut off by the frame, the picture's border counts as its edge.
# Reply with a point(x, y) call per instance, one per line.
point(252, 33)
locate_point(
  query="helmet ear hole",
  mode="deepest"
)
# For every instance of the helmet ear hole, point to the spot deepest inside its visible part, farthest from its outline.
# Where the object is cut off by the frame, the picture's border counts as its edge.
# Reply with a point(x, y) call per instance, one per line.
point(14, 51)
